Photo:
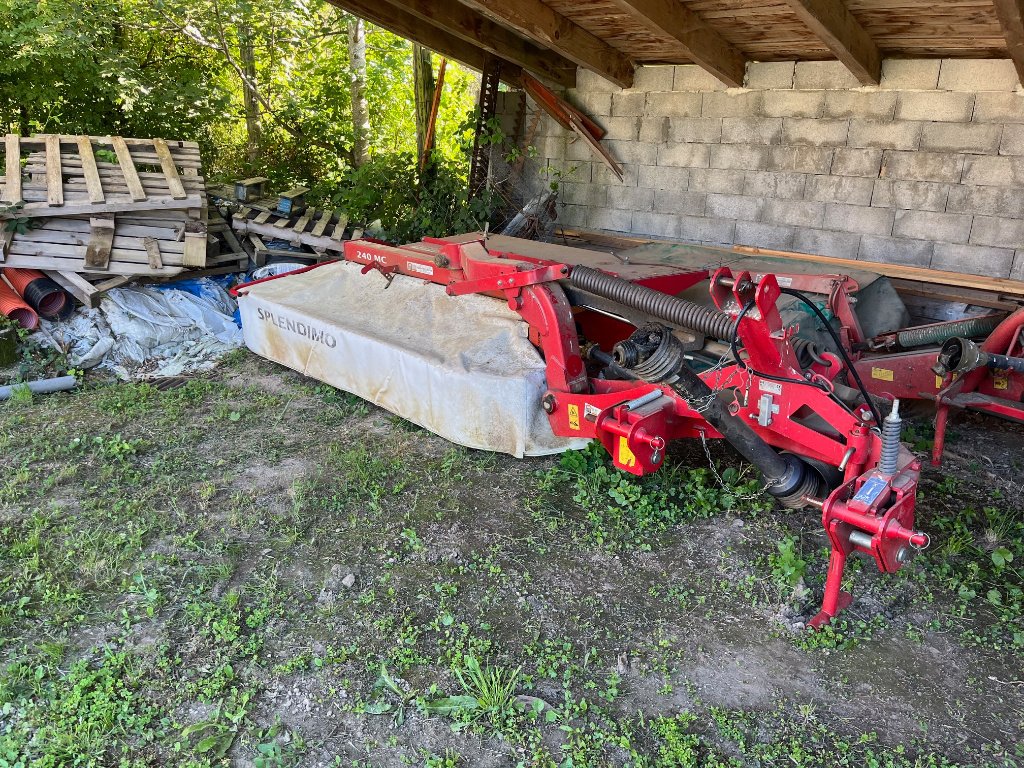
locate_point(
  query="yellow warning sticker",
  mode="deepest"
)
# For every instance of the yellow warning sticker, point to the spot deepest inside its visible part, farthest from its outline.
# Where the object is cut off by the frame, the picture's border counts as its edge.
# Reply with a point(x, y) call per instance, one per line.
point(938, 382)
point(574, 416)
point(625, 456)
point(882, 373)
point(1000, 382)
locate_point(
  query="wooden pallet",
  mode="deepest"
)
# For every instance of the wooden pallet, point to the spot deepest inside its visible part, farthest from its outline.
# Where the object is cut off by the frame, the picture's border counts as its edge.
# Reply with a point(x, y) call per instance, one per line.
point(74, 175)
point(321, 231)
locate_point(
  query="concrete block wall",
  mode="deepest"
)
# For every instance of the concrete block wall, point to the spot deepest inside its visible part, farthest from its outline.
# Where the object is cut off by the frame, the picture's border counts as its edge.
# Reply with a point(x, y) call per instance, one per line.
point(926, 169)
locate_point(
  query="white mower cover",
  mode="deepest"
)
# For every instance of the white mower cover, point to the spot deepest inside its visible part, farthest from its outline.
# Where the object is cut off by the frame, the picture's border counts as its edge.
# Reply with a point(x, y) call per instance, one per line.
point(459, 366)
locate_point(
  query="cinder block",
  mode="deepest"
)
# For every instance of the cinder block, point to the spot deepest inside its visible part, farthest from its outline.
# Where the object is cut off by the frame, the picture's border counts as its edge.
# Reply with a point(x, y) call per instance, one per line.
point(621, 128)
point(857, 162)
point(655, 224)
point(655, 78)
point(839, 189)
point(816, 75)
point(587, 81)
point(922, 166)
point(678, 104)
point(632, 198)
point(572, 193)
point(726, 182)
point(796, 213)
point(999, 108)
point(699, 229)
point(935, 106)
point(690, 77)
point(552, 147)
point(910, 74)
point(977, 75)
point(628, 152)
point(864, 105)
point(770, 74)
point(775, 185)
point(801, 159)
point(679, 202)
point(793, 103)
point(997, 231)
point(734, 207)
point(732, 104)
point(684, 155)
point(751, 130)
point(891, 250)
point(994, 171)
point(601, 174)
point(628, 103)
point(929, 225)
point(580, 173)
point(704, 130)
point(764, 235)
point(592, 103)
point(973, 259)
point(884, 134)
point(1013, 140)
point(573, 215)
point(986, 201)
point(739, 156)
point(654, 130)
point(579, 151)
point(910, 195)
point(816, 133)
point(1017, 272)
point(656, 177)
point(974, 138)
point(841, 245)
point(611, 219)
point(861, 219)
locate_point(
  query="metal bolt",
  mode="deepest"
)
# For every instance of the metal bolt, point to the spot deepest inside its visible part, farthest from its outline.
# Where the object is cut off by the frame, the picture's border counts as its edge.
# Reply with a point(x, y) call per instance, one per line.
point(548, 403)
point(902, 555)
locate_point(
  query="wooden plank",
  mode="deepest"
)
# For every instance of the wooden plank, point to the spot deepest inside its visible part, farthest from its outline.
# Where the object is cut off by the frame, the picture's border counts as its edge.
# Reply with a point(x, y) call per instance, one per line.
point(843, 35)
point(72, 257)
point(131, 175)
point(195, 249)
point(406, 25)
point(339, 228)
point(542, 24)
point(295, 238)
point(947, 294)
point(476, 29)
point(84, 207)
point(6, 236)
point(153, 251)
point(921, 274)
point(92, 173)
point(321, 225)
point(700, 42)
point(1011, 18)
point(12, 150)
point(76, 285)
point(54, 172)
point(262, 218)
point(300, 225)
point(97, 254)
point(170, 171)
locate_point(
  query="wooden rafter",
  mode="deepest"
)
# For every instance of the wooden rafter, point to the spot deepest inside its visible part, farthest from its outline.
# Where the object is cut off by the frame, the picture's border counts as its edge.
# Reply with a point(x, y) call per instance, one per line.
point(544, 25)
point(404, 24)
point(701, 43)
point(1011, 19)
point(466, 24)
point(842, 34)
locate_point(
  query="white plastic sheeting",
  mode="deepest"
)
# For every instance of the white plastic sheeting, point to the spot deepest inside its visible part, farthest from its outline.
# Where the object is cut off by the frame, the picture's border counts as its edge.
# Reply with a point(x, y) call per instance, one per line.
point(461, 367)
point(144, 332)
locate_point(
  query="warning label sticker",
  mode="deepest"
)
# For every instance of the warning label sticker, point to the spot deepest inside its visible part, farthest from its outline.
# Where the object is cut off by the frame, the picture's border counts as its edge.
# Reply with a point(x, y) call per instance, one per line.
point(882, 373)
point(423, 269)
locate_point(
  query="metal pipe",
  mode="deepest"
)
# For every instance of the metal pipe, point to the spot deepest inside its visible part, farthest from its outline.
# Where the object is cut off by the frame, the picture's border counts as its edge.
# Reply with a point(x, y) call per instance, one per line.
point(41, 387)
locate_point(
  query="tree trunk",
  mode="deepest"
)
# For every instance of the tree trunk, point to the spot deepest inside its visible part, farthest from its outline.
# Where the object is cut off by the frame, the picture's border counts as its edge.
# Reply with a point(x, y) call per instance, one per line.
point(357, 83)
point(423, 83)
point(247, 55)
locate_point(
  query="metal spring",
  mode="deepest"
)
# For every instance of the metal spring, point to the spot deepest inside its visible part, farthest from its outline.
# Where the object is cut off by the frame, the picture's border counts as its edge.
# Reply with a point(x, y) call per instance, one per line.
point(973, 326)
point(891, 428)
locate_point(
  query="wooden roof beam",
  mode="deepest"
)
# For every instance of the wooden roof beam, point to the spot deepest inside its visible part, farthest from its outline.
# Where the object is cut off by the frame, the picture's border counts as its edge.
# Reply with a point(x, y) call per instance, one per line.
point(545, 26)
point(468, 25)
point(406, 25)
point(701, 43)
point(1011, 19)
point(842, 34)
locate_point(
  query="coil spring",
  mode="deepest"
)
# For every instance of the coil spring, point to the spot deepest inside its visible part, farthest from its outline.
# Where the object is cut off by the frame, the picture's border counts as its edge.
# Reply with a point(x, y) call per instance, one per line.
point(891, 428)
point(974, 326)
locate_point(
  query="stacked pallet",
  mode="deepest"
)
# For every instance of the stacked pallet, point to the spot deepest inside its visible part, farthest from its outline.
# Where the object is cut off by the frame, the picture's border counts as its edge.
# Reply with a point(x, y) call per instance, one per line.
point(321, 231)
point(91, 209)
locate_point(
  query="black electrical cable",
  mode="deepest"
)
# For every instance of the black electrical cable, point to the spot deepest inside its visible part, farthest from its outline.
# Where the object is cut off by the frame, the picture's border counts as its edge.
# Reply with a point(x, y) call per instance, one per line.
point(839, 346)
